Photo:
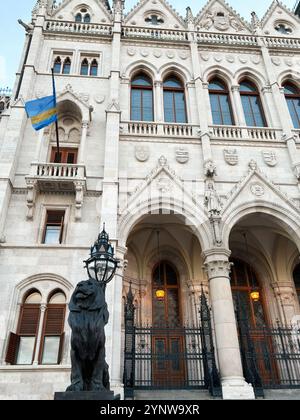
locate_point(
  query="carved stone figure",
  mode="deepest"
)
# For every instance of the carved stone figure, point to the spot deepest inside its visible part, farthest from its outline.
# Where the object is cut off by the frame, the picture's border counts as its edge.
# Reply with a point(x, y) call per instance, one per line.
point(87, 319)
point(212, 200)
point(210, 169)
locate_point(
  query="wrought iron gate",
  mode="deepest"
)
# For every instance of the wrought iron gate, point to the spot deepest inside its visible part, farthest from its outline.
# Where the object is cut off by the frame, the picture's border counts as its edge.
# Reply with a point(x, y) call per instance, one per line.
point(270, 355)
point(169, 358)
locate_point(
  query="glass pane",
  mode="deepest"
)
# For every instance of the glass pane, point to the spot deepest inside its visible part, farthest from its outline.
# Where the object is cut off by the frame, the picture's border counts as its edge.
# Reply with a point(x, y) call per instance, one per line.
point(225, 109)
point(239, 274)
point(248, 111)
point(58, 298)
point(52, 236)
point(57, 67)
point(180, 107)
point(141, 80)
point(25, 353)
point(34, 298)
point(175, 354)
point(94, 69)
point(84, 69)
point(168, 106)
point(216, 85)
point(259, 314)
point(256, 108)
point(160, 352)
point(247, 87)
point(172, 82)
point(136, 113)
point(171, 277)
point(147, 105)
point(294, 108)
point(291, 90)
point(159, 316)
point(87, 19)
point(51, 349)
point(71, 158)
point(78, 17)
point(173, 308)
point(296, 276)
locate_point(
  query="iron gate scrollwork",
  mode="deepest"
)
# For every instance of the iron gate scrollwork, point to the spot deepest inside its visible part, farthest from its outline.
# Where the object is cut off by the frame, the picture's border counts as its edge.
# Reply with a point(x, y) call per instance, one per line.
point(169, 357)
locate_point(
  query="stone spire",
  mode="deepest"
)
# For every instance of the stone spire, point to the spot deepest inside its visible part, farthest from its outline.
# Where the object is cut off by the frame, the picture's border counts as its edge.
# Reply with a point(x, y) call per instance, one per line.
point(189, 15)
point(255, 22)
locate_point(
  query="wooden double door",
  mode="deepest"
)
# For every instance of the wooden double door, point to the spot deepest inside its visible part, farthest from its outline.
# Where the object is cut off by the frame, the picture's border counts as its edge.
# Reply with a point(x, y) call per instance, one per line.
point(168, 348)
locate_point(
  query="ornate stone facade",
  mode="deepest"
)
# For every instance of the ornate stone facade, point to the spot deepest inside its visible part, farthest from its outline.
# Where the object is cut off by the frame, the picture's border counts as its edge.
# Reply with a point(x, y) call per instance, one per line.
point(203, 185)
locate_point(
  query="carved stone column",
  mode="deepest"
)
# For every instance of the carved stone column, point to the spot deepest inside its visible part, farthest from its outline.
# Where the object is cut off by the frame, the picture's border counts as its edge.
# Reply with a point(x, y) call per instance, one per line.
point(217, 266)
point(43, 308)
point(287, 300)
point(238, 106)
point(158, 100)
point(31, 196)
point(79, 190)
point(85, 126)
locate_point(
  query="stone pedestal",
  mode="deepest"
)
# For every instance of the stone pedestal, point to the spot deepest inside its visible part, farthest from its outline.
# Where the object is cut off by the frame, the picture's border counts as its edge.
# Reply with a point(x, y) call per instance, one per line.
point(86, 396)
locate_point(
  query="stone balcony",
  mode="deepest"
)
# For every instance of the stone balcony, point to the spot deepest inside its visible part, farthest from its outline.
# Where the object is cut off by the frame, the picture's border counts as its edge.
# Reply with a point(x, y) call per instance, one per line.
point(152, 129)
point(57, 178)
point(228, 132)
point(91, 29)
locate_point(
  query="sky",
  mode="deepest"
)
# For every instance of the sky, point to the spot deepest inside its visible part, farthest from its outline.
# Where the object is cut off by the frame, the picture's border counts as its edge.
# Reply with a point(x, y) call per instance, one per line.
point(12, 34)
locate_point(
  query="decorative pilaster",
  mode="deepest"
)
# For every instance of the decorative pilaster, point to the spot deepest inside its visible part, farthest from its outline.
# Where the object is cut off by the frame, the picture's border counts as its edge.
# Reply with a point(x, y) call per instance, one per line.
point(238, 106)
point(287, 300)
point(217, 267)
point(31, 197)
point(79, 191)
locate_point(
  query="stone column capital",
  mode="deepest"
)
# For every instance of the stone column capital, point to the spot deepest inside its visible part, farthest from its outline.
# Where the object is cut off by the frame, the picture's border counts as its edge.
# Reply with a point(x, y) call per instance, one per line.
point(158, 83)
point(43, 307)
point(85, 124)
point(235, 88)
point(217, 263)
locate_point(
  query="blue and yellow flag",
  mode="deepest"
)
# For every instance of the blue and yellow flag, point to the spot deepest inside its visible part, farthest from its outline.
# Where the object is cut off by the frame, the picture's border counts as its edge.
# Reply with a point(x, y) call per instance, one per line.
point(42, 112)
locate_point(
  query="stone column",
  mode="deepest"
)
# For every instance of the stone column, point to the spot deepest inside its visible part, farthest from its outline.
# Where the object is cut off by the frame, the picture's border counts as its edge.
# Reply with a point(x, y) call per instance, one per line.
point(43, 308)
point(240, 116)
point(217, 266)
point(115, 355)
point(85, 126)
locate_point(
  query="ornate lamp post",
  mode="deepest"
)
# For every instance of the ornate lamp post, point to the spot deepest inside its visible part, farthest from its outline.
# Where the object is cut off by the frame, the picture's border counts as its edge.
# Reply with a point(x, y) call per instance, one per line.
point(88, 318)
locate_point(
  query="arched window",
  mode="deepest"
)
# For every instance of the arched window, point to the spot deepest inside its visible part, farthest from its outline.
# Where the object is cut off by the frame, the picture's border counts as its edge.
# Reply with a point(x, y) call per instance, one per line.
point(296, 276)
point(174, 101)
point(292, 96)
point(84, 71)
point(252, 105)
point(142, 98)
point(243, 282)
point(87, 18)
point(220, 103)
point(53, 329)
point(94, 68)
point(67, 66)
point(57, 65)
point(78, 18)
point(22, 346)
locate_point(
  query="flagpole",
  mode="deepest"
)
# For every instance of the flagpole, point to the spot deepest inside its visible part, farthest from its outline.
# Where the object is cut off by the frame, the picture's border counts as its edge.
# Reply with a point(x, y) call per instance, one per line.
point(56, 122)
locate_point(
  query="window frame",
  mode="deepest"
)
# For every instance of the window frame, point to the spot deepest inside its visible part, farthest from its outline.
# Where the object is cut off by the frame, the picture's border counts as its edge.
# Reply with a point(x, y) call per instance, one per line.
point(141, 88)
point(175, 90)
point(257, 95)
point(293, 96)
point(218, 93)
point(62, 224)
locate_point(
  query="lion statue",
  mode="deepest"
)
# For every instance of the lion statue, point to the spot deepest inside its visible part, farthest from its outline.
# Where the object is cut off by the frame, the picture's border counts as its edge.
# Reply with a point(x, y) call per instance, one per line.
point(87, 319)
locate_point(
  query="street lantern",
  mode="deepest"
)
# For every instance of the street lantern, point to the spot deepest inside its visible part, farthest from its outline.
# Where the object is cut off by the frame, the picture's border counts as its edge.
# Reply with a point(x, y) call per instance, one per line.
point(102, 264)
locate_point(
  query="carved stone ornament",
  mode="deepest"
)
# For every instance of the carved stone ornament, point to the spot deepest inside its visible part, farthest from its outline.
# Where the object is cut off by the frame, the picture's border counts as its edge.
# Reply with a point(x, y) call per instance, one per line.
point(252, 165)
point(212, 200)
point(182, 155)
point(221, 23)
point(297, 171)
point(257, 189)
point(142, 153)
point(270, 157)
point(231, 156)
point(131, 51)
point(164, 184)
point(210, 169)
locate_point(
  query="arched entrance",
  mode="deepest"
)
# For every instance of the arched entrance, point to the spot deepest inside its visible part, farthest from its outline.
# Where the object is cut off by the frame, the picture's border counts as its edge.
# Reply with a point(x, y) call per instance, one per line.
point(265, 300)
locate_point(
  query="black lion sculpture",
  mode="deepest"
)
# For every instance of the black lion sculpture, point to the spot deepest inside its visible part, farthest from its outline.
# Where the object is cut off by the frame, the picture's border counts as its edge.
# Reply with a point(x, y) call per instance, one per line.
point(87, 319)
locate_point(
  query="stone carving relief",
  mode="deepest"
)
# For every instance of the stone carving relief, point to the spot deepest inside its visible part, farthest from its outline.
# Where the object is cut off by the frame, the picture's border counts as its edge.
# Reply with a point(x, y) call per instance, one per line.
point(270, 157)
point(157, 53)
point(142, 153)
point(131, 51)
point(99, 99)
point(210, 169)
point(257, 189)
point(231, 156)
point(182, 155)
point(164, 185)
point(221, 20)
point(212, 200)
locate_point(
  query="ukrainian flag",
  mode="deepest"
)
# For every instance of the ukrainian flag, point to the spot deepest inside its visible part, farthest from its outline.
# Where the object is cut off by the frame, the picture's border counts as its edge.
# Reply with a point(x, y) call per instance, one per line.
point(42, 112)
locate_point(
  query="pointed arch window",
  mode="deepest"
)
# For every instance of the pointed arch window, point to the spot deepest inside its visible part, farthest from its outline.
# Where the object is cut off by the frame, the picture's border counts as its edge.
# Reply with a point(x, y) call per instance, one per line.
point(142, 98)
point(252, 105)
point(292, 96)
point(23, 346)
point(296, 276)
point(67, 66)
point(94, 68)
point(84, 71)
point(220, 103)
point(174, 101)
point(57, 65)
point(78, 18)
point(87, 18)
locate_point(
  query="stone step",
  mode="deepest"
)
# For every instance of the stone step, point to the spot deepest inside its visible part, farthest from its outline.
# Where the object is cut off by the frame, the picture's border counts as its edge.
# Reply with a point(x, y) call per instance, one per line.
point(172, 395)
point(282, 394)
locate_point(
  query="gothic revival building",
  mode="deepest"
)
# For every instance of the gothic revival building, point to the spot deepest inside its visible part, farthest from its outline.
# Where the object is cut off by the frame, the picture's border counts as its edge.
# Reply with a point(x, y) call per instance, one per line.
point(182, 134)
